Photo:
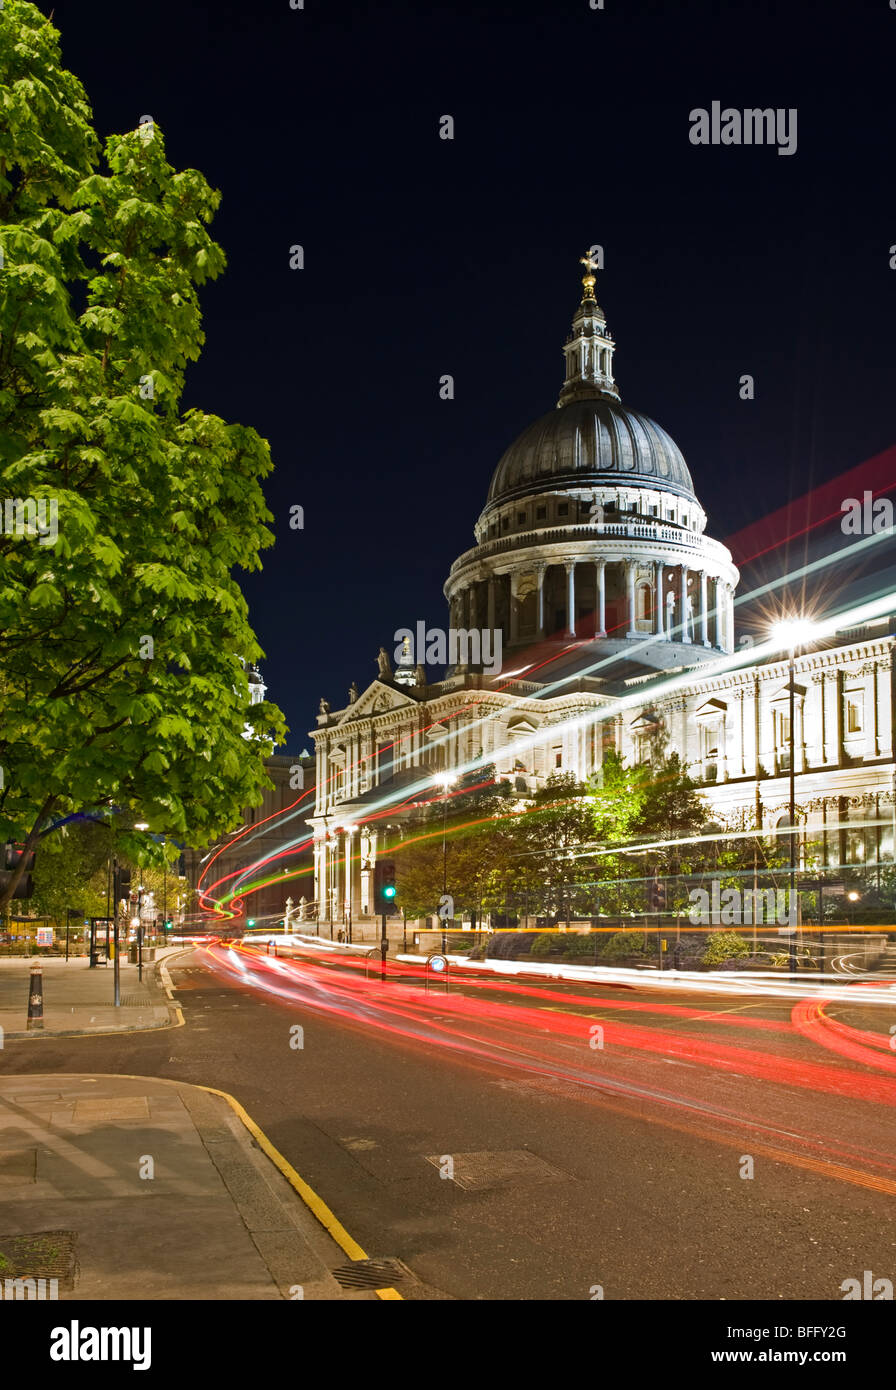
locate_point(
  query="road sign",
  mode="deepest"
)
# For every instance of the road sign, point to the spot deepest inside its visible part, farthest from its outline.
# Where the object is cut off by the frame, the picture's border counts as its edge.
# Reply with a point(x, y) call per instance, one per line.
point(438, 966)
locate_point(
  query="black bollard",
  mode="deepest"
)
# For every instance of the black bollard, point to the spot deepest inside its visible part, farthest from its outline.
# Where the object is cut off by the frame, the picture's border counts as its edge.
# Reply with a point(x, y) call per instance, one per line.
point(35, 999)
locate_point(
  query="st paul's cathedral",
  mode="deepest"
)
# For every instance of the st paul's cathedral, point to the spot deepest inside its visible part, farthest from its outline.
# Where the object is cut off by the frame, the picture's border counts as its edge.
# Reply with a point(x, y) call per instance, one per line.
point(612, 606)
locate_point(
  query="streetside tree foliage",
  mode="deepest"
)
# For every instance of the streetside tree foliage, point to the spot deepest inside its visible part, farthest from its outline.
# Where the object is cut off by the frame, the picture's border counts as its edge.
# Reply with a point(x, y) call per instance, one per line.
point(124, 637)
point(476, 829)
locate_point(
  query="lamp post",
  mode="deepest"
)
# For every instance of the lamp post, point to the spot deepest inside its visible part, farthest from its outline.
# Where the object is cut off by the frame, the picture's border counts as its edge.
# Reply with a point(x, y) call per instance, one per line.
point(792, 633)
point(349, 831)
point(445, 780)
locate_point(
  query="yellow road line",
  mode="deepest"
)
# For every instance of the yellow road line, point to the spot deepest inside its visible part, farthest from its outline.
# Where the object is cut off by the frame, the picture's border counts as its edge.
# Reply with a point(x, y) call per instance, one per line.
point(316, 1205)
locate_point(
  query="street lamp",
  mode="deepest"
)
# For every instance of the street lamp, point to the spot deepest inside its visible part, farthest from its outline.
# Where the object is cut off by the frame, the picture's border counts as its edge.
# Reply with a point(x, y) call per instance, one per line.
point(444, 780)
point(791, 633)
point(349, 895)
point(853, 898)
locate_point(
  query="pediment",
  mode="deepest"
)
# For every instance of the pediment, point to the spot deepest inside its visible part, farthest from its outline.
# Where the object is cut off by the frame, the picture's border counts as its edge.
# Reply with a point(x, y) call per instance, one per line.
point(783, 695)
point(712, 709)
point(521, 726)
point(378, 698)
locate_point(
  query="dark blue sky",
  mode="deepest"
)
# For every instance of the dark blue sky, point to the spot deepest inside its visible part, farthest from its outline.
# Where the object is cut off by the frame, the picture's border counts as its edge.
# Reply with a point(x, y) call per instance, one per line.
point(426, 257)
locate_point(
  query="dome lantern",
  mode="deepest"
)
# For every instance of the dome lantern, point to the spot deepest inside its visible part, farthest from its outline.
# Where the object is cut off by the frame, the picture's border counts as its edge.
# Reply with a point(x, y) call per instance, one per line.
point(589, 348)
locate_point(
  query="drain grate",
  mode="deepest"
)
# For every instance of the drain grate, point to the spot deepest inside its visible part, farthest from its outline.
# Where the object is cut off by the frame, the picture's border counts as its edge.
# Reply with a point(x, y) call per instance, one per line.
point(137, 1001)
point(40, 1255)
point(370, 1274)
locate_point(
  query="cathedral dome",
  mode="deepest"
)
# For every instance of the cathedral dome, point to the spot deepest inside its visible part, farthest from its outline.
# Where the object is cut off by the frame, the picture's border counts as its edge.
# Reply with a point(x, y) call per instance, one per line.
point(589, 442)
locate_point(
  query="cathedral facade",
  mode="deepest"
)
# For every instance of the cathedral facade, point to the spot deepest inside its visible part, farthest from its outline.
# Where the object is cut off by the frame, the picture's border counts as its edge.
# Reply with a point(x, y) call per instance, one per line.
point(594, 579)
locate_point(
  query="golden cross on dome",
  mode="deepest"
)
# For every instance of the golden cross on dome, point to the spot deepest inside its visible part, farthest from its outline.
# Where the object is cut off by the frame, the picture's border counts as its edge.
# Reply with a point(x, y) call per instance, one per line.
point(590, 261)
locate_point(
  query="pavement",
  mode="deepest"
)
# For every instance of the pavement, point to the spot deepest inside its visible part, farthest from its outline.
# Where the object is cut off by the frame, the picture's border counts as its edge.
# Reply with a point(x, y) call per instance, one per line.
point(126, 1187)
point(80, 1000)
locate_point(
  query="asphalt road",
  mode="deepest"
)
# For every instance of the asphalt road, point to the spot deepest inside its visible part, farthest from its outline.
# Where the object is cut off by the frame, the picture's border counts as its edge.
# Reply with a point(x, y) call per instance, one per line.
point(577, 1167)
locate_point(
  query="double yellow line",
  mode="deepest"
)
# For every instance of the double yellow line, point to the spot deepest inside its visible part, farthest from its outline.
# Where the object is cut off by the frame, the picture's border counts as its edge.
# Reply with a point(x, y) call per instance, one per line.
point(316, 1205)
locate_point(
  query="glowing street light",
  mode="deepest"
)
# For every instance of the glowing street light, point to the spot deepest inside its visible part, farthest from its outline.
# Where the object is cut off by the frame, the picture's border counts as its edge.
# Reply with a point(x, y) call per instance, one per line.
point(792, 632)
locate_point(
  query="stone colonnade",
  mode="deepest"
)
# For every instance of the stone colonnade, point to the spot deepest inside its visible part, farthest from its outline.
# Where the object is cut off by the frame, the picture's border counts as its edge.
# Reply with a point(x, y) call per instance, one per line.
point(686, 605)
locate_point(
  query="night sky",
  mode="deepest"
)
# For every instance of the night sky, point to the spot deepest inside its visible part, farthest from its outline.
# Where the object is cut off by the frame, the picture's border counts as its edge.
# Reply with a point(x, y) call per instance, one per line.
point(425, 257)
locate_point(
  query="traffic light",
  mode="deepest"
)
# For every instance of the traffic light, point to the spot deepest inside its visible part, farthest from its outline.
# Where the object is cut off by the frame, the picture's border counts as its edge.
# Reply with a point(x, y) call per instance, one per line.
point(384, 889)
point(12, 857)
point(122, 885)
point(251, 922)
point(169, 923)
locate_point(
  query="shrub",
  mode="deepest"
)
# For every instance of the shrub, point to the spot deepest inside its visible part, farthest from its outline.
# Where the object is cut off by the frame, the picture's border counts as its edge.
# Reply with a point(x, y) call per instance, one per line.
point(580, 945)
point(542, 944)
point(724, 945)
point(623, 943)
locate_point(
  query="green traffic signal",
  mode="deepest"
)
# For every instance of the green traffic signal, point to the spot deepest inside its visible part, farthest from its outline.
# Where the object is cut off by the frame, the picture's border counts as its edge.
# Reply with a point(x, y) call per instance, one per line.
point(251, 922)
point(389, 890)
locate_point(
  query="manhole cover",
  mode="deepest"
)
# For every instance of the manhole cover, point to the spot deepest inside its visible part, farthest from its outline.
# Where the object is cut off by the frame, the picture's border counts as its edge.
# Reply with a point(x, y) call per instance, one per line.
point(476, 1171)
point(370, 1274)
point(40, 1255)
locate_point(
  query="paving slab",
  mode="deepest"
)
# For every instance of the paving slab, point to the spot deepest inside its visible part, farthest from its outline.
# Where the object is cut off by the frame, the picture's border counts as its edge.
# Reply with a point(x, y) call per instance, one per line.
point(81, 1000)
point(151, 1189)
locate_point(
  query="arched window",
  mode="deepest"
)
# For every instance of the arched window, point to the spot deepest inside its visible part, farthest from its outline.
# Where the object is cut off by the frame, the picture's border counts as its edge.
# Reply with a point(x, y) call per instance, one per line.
point(782, 826)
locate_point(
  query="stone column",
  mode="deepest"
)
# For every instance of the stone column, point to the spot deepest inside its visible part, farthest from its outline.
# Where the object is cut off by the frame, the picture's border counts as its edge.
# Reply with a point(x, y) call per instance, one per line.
point(539, 600)
point(459, 624)
point(799, 720)
point(514, 611)
point(722, 737)
point(704, 604)
point(474, 607)
point(318, 870)
point(570, 566)
point(683, 609)
point(630, 584)
point(658, 598)
point(600, 589)
point(491, 602)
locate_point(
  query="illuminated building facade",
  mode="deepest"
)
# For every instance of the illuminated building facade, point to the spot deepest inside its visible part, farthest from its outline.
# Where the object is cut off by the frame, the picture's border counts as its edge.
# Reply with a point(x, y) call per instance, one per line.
point(593, 566)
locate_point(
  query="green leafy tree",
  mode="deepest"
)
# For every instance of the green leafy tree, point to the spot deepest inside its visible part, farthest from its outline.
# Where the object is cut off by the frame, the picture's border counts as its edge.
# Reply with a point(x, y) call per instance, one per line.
point(671, 806)
point(476, 837)
point(123, 645)
point(554, 841)
point(71, 872)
